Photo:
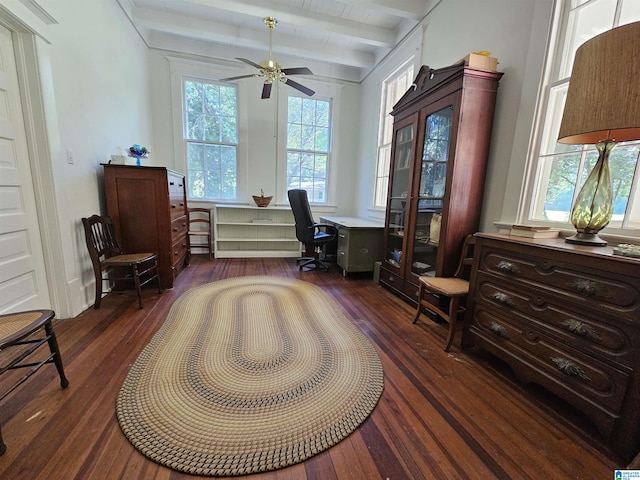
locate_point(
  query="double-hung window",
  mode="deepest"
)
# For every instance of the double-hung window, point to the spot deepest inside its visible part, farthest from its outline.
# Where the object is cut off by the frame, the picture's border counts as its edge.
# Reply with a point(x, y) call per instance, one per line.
point(558, 171)
point(392, 89)
point(308, 146)
point(210, 133)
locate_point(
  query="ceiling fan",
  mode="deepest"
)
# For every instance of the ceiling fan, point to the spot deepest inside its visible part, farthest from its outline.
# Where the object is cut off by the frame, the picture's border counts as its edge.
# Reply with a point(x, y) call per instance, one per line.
point(271, 70)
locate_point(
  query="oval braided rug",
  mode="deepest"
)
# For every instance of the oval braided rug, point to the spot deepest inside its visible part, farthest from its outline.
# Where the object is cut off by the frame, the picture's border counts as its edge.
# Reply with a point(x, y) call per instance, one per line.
point(247, 375)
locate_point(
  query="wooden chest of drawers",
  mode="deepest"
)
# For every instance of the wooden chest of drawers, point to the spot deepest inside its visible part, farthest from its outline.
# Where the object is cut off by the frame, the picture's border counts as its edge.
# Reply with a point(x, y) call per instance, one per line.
point(566, 317)
point(149, 209)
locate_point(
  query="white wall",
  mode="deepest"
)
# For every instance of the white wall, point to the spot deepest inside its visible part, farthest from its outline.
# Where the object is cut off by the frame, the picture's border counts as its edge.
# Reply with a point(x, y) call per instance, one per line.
point(514, 31)
point(92, 78)
point(101, 83)
point(262, 129)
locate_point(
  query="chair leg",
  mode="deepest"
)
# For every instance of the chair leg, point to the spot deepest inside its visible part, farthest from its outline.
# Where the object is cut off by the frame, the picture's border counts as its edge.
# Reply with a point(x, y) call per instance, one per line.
point(155, 261)
point(419, 307)
point(136, 279)
point(453, 320)
point(55, 351)
point(96, 303)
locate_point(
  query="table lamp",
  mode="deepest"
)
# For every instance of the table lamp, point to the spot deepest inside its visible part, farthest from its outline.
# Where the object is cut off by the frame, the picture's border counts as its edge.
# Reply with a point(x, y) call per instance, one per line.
point(602, 108)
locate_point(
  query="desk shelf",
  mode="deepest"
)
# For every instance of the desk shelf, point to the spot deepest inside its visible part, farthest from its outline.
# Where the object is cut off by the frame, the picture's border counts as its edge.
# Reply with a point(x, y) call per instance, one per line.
point(243, 231)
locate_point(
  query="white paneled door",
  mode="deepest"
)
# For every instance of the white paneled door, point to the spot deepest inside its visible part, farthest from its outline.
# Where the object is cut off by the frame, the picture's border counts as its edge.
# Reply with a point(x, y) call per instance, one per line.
point(23, 283)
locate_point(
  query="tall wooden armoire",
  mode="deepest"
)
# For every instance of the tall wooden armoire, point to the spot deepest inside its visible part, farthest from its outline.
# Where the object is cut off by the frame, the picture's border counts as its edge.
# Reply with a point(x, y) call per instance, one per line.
point(441, 135)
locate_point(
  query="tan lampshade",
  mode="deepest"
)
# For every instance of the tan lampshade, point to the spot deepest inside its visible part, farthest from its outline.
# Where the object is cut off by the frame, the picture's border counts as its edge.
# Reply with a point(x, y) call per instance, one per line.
point(603, 101)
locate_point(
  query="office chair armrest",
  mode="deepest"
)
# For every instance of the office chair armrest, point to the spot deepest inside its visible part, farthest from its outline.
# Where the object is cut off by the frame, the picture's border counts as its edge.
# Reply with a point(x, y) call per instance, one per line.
point(327, 227)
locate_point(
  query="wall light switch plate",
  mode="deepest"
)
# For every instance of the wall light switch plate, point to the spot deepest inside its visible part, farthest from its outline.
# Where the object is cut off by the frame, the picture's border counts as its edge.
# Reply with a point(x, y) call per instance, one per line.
point(69, 156)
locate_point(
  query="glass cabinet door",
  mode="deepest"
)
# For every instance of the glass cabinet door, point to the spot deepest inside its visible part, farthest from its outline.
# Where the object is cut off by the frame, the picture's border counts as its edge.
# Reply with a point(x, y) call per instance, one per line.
point(397, 202)
point(433, 179)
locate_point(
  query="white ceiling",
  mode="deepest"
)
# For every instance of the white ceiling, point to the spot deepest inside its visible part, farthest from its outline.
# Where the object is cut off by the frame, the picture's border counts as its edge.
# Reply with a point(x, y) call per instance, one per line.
point(334, 38)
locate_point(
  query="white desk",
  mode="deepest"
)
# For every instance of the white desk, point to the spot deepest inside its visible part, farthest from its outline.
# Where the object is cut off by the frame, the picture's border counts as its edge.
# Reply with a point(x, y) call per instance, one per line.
point(359, 242)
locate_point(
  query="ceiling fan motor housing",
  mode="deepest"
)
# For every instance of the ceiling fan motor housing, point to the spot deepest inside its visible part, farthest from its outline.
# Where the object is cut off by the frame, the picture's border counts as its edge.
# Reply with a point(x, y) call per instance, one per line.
point(272, 71)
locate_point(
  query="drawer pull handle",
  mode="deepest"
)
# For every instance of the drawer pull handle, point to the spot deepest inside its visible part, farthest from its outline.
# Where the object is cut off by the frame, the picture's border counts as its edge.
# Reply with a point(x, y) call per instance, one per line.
point(498, 330)
point(342, 235)
point(503, 298)
point(581, 329)
point(173, 205)
point(570, 368)
point(508, 267)
point(586, 287)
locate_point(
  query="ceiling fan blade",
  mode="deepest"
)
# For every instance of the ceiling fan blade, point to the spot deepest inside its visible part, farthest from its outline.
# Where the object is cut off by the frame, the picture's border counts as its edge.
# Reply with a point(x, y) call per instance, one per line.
point(297, 86)
point(266, 90)
point(249, 62)
point(297, 71)
point(238, 78)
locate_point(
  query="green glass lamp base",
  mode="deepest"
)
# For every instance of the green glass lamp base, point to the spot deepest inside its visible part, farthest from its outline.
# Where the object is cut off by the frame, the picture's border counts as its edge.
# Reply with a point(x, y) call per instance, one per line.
point(591, 239)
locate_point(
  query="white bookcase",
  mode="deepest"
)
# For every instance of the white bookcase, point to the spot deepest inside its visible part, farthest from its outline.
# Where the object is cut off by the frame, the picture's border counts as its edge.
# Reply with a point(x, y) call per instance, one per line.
point(243, 231)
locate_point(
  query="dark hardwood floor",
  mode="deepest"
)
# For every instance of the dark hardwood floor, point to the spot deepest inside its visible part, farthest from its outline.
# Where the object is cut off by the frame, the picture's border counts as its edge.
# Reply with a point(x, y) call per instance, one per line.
point(442, 415)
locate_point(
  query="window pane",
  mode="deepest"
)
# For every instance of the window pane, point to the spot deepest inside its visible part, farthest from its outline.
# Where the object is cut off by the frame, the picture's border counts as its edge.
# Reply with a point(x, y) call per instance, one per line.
point(195, 156)
point(623, 161)
point(550, 145)
point(211, 99)
point(194, 130)
point(211, 128)
point(322, 139)
point(322, 114)
point(228, 129)
point(212, 157)
point(308, 111)
point(193, 97)
point(630, 12)
point(196, 183)
point(557, 185)
point(294, 136)
point(308, 137)
point(588, 20)
point(320, 166)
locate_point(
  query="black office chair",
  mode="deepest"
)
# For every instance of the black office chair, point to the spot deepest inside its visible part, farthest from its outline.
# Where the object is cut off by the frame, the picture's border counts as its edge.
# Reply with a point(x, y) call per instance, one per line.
point(318, 235)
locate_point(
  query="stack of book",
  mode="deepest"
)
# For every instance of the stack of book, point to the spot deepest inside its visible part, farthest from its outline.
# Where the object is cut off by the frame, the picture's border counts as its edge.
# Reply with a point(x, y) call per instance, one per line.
point(533, 231)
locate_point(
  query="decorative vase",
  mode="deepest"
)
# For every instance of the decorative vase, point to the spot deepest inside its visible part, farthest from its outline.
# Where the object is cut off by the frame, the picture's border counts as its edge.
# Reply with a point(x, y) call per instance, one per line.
point(593, 207)
point(138, 152)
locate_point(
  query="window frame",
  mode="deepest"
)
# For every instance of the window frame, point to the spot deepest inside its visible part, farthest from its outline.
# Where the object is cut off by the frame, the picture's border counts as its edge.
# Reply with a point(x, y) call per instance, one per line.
point(328, 153)
point(181, 70)
point(221, 143)
point(385, 124)
point(328, 92)
point(552, 82)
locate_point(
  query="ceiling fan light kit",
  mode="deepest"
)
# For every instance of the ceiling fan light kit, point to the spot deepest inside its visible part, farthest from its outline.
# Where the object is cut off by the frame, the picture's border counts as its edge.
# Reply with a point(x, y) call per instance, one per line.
point(271, 70)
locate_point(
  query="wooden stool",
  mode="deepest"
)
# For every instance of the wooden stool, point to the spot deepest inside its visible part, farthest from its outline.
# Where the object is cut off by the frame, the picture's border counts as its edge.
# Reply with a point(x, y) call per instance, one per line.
point(18, 329)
